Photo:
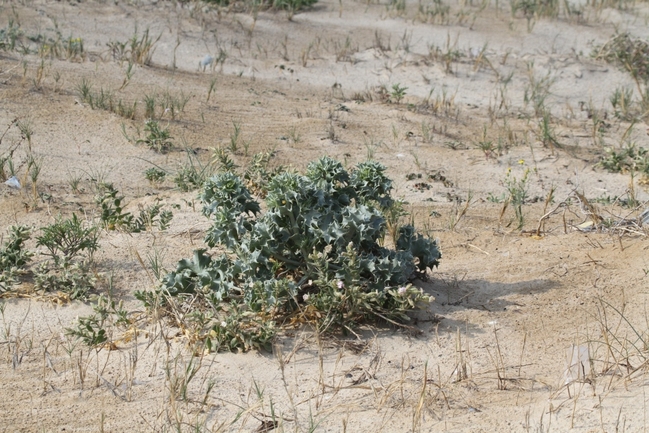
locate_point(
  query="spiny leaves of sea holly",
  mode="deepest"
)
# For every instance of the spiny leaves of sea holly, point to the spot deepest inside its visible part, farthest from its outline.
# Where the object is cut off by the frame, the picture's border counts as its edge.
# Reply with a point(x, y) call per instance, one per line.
point(315, 253)
point(424, 249)
point(199, 273)
point(331, 182)
point(226, 191)
point(370, 183)
point(229, 203)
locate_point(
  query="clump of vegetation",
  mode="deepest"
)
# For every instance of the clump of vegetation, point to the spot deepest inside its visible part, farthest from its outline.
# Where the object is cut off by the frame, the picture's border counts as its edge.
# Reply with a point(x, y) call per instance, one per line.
point(628, 159)
point(192, 174)
point(138, 50)
point(155, 175)
point(631, 55)
point(316, 255)
point(518, 194)
point(68, 238)
point(92, 329)
point(157, 138)
point(114, 217)
point(398, 93)
point(290, 5)
point(71, 245)
point(12, 36)
point(14, 257)
point(534, 9)
point(104, 99)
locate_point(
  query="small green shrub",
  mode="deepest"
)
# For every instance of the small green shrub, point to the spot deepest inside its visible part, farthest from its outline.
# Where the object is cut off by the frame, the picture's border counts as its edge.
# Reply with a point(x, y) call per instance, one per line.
point(76, 279)
point(68, 238)
point(158, 138)
point(71, 246)
point(14, 257)
point(149, 217)
point(138, 50)
point(630, 54)
point(12, 36)
point(398, 93)
point(630, 158)
point(192, 174)
point(315, 255)
point(155, 176)
point(114, 217)
point(518, 193)
point(92, 329)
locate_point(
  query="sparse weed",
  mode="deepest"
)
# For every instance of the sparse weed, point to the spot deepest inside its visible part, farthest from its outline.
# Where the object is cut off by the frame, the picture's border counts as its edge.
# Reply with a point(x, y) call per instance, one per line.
point(294, 135)
point(192, 174)
point(34, 167)
point(235, 137)
point(26, 128)
point(629, 54)
point(157, 138)
point(14, 257)
point(518, 190)
point(345, 50)
point(138, 50)
point(71, 246)
point(150, 217)
point(446, 55)
point(112, 216)
point(534, 9)
point(75, 279)
point(398, 93)
point(174, 104)
point(12, 37)
point(546, 132)
point(155, 176)
point(435, 12)
point(537, 91)
point(68, 238)
point(104, 99)
point(210, 90)
point(60, 48)
point(92, 329)
point(128, 74)
point(630, 158)
point(622, 101)
point(291, 6)
point(149, 106)
point(74, 181)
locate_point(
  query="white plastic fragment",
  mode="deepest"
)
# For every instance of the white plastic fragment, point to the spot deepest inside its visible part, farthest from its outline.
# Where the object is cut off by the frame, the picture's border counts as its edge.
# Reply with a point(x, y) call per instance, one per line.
point(13, 182)
point(207, 61)
point(577, 364)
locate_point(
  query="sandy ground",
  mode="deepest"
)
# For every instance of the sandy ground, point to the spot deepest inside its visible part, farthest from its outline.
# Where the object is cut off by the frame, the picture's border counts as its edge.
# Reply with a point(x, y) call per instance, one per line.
point(491, 353)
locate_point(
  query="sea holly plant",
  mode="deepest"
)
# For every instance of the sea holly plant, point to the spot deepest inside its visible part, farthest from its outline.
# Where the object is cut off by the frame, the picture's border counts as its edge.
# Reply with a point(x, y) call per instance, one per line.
point(313, 253)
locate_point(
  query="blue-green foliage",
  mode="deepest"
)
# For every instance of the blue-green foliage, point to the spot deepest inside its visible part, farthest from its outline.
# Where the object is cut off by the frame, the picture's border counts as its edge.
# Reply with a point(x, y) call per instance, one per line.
point(321, 233)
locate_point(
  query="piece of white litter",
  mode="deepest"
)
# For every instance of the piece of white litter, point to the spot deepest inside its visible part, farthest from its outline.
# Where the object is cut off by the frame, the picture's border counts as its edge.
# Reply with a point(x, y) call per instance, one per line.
point(207, 61)
point(587, 226)
point(577, 364)
point(13, 182)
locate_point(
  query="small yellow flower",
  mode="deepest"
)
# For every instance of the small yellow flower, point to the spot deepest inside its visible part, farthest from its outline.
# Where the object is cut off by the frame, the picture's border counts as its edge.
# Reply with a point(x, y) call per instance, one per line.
point(521, 161)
